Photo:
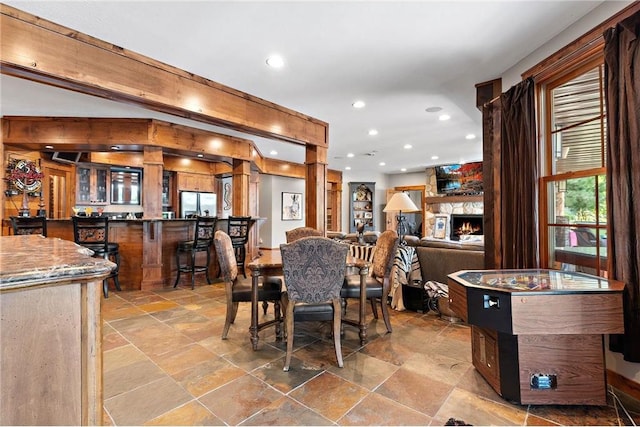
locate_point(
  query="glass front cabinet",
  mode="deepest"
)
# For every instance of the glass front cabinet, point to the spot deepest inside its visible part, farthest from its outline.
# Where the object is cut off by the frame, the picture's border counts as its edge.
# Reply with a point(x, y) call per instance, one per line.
point(92, 185)
point(361, 203)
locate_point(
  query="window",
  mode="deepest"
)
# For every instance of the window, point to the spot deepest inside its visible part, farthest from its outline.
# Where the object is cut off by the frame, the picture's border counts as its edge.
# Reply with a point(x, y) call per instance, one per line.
point(573, 193)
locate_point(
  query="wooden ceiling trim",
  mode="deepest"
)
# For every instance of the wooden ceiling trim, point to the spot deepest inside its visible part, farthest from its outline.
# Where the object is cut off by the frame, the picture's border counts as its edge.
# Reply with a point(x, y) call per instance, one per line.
point(49, 53)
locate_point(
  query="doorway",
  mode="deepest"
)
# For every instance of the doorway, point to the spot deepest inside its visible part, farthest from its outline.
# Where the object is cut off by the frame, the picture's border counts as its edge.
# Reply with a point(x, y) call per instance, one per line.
point(414, 220)
point(57, 192)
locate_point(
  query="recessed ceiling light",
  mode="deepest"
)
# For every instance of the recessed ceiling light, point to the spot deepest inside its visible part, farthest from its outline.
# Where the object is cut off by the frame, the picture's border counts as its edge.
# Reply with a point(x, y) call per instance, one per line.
point(347, 168)
point(408, 146)
point(358, 104)
point(48, 147)
point(350, 154)
point(403, 170)
point(373, 132)
point(444, 117)
point(382, 164)
point(470, 136)
point(273, 152)
point(434, 157)
point(275, 61)
point(200, 155)
point(433, 109)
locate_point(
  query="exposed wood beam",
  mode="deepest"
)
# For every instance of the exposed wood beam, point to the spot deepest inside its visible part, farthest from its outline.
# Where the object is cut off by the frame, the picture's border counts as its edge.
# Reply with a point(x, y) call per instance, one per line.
point(48, 53)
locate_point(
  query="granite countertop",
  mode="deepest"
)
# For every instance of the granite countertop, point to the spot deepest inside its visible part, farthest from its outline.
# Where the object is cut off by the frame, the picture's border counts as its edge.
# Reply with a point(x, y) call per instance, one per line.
point(36, 260)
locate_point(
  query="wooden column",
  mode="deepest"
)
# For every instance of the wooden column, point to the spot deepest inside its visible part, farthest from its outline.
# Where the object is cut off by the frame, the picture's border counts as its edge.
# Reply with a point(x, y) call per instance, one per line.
point(152, 228)
point(253, 247)
point(240, 187)
point(152, 182)
point(316, 187)
point(492, 170)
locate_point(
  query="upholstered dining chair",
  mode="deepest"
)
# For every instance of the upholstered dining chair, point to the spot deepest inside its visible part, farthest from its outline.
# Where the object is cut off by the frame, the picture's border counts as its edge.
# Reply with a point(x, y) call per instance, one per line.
point(314, 270)
point(238, 290)
point(378, 281)
point(298, 233)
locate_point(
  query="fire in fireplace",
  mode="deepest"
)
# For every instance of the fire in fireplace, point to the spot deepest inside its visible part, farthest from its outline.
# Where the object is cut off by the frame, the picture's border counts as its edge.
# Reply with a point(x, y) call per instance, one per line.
point(465, 225)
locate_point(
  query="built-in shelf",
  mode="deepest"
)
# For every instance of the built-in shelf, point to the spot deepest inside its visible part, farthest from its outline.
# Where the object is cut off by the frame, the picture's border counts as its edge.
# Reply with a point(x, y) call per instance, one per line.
point(455, 199)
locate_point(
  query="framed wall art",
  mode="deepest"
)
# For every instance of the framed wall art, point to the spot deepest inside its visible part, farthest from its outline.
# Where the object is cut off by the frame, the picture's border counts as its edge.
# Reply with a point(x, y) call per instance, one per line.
point(291, 206)
point(440, 226)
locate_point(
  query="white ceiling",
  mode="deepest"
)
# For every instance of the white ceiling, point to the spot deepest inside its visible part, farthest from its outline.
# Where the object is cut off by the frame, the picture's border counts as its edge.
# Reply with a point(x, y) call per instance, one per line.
point(399, 57)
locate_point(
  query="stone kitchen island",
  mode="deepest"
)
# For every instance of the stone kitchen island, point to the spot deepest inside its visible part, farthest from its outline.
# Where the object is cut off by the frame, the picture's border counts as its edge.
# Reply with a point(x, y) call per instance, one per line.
point(51, 355)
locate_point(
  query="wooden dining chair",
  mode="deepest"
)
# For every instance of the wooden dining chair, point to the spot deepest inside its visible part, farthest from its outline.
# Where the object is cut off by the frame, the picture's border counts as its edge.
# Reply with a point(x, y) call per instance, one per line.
point(201, 242)
point(29, 225)
point(314, 270)
point(238, 231)
point(93, 232)
point(379, 280)
point(238, 290)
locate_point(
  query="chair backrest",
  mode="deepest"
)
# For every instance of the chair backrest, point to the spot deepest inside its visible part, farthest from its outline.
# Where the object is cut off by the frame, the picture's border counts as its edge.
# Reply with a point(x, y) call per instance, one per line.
point(314, 268)
point(300, 232)
point(238, 229)
point(91, 230)
point(205, 229)
point(386, 248)
point(29, 225)
point(226, 256)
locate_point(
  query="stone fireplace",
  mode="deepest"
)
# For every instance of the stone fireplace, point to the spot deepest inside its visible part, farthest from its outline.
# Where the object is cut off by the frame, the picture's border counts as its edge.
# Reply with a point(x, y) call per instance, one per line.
point(465, 225)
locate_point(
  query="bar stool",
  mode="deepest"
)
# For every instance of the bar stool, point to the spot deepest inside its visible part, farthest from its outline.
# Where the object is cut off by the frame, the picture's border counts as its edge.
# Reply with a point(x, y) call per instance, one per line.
point(92, 232)
point(202, 241)
point(29, 225)
point(238, 230)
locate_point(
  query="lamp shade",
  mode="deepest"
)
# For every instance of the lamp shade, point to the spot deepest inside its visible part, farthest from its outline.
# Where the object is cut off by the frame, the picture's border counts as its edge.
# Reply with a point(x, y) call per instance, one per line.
point(400, 202)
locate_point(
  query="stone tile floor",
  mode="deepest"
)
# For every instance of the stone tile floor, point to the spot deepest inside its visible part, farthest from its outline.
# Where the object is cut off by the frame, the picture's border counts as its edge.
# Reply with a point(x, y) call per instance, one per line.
point(165, 364)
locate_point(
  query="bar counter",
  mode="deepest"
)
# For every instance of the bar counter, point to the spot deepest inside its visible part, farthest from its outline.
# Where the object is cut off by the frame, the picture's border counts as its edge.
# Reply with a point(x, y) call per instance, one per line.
point(148, 248)
point(51, 354)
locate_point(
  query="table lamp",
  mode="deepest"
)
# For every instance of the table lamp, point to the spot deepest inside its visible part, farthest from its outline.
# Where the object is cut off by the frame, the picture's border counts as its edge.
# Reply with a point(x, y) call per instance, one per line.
point(402, 203)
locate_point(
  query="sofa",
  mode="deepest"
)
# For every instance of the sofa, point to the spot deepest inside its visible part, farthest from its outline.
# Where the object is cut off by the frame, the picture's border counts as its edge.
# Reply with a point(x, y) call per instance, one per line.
point(435, 259)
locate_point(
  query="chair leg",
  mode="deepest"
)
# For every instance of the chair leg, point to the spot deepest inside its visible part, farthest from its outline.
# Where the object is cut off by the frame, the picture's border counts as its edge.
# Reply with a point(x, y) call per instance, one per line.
point(265, 307)
point(373, 307)
point(116, 280)
point(232, 309)
point(284, 303)
point(207, 268)
point(105, 288)
point(337, 322)
point(234, 312)
point(179, 268)
point(290, 333)
point(278, 318)
point(385, 315)
point(193, 270)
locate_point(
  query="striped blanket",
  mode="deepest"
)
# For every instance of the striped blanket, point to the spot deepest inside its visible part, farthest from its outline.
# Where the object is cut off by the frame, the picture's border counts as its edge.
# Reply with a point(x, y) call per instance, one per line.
point(406, 269)
point(364, 252)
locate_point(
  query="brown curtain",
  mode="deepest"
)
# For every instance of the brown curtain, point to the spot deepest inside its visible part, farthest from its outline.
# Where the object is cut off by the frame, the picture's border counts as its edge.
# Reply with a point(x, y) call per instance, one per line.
point(622, 87)
point(519, 178)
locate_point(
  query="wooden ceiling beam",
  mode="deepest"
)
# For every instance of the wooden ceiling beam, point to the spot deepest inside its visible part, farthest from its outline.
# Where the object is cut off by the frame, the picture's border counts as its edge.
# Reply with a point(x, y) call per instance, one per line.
point(48, 53)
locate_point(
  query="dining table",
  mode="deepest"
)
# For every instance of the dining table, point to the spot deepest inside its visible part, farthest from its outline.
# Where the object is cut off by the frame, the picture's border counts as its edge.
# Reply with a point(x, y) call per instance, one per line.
point(269, 263)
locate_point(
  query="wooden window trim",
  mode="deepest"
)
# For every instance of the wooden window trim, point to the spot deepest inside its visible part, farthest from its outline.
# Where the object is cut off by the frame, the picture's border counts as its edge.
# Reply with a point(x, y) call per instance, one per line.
point(578, 50)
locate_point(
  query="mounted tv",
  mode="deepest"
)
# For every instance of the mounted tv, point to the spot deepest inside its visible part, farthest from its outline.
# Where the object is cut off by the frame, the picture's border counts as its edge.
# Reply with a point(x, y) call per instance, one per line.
point(459, 179)
point(66, 157)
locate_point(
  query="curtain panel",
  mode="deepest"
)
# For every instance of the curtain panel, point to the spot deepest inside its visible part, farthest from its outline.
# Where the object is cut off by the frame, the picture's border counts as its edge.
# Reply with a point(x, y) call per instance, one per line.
point(519, 178)
point(622, 87)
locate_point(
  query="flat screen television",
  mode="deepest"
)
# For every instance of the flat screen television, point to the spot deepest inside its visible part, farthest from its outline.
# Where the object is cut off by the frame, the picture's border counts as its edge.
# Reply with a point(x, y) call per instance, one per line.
point(458, 179)
point(66, 157)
